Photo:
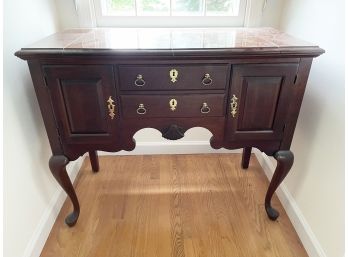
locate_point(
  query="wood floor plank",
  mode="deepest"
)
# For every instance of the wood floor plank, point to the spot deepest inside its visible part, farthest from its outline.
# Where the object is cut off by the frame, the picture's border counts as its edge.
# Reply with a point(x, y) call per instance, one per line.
point(173, 206)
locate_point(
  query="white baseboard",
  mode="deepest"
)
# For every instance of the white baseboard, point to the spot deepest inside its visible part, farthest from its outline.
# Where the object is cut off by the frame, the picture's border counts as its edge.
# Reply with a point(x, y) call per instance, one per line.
point(49, 216)
point(172, 147)
point(304, 231)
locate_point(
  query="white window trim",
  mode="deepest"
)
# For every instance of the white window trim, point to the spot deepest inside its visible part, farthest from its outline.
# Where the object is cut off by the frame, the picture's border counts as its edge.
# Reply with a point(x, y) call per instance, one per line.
point(168, 21)
point(87, 14)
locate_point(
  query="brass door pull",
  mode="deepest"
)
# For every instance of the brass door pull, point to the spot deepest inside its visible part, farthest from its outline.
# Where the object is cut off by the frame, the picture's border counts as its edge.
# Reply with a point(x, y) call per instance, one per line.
point(141, 109)
point(207, 80)
point(139, 82)
point(234, 105)
point(205, 108)
point(111, 107)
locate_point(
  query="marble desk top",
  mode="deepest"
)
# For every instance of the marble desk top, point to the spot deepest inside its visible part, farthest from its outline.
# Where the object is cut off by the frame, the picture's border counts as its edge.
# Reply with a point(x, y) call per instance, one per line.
point(162, 38)
point(170, 42)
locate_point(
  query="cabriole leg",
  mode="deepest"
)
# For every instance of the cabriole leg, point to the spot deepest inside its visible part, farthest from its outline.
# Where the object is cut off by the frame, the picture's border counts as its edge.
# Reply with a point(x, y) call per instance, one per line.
point(57, 165)
point(246, 157)
point(93, 157)
point(285, 159)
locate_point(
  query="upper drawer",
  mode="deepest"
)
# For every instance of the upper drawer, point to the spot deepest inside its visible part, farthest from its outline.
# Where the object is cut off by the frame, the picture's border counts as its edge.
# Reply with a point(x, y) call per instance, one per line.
point(173, 77)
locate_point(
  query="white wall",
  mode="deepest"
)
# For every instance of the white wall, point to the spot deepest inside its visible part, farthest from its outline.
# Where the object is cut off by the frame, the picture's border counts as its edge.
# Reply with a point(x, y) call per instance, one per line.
point(266, 13)
point(67, 14)
point(28, 184)
point(272, 13)
point(316, 180)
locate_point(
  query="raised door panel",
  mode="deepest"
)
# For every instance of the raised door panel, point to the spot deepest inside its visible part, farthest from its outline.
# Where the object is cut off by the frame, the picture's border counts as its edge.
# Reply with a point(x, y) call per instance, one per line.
point(86, 112)
point(260, 96)
point(80, 97)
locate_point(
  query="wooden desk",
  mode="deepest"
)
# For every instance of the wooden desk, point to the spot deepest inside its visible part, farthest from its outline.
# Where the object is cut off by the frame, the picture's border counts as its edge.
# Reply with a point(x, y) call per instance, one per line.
point(97, 87)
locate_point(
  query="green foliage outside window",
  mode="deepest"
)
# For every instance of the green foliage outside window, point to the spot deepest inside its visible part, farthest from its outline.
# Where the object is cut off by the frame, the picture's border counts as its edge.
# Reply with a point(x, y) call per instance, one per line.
point(218, 5)
point(163, 5)
point(188, 5)
point(153, 5)
point(122, 5)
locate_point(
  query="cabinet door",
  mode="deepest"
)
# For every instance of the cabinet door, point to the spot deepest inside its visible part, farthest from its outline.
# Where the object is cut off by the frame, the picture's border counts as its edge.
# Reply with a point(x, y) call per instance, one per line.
point(79, 96)
point(260, 95)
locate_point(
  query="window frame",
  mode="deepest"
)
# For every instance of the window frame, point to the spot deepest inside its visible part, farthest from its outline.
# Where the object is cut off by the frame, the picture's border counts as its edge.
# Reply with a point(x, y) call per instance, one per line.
point(101, 20)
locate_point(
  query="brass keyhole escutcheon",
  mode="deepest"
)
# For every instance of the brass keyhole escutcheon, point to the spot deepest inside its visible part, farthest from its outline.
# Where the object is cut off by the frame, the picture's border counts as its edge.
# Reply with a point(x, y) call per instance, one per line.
point(173, 74)
point(172, 104)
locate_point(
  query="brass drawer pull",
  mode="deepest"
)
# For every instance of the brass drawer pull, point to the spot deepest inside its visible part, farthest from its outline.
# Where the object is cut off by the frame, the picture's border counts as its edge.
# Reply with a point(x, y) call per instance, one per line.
point(141, 109)
point(205, 108)
point(139, 82)
point(207, 80)
point(234, 105)
point(111, 107)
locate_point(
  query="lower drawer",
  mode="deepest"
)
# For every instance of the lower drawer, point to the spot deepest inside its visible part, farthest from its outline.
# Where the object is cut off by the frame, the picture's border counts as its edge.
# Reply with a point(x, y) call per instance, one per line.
point(139, 106)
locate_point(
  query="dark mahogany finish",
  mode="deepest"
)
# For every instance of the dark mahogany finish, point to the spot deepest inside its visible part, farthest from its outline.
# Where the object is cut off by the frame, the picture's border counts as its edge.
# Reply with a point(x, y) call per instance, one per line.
point(285, 159)
point(156, 77)
point(246, 97)
point(78, 95)
point(173, 132)
point(264, 92)
point(188, 105)
point(246, 157)
point(93, 157)
point(57, 165)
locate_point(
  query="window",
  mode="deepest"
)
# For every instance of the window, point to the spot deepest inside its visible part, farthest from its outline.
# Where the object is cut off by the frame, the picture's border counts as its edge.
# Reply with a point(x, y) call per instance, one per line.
point(170, 8)
point(169, 13)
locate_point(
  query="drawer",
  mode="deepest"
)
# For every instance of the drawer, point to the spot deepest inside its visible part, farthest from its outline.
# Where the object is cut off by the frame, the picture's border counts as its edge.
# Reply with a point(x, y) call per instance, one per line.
point(173, 77)
point(140, 106)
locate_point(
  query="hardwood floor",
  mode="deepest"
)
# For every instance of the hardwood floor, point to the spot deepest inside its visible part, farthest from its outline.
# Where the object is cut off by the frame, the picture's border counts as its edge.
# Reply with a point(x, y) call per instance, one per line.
point(173, 206)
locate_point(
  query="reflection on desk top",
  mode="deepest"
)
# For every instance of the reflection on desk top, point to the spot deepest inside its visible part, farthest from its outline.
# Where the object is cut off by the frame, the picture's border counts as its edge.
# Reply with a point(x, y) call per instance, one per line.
point(174, 42)
point(163, 38)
